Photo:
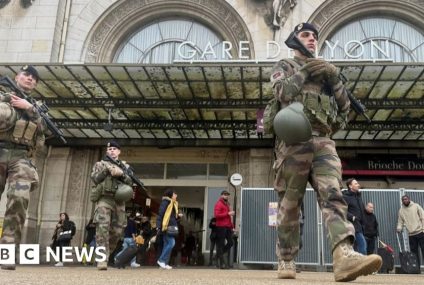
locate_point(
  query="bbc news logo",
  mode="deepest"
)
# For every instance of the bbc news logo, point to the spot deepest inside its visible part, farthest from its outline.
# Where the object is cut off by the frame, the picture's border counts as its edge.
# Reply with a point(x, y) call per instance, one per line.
point(30, 254)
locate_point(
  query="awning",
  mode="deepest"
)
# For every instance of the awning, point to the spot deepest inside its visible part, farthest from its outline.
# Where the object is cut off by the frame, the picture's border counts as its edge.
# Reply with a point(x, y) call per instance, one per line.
point(212, 104)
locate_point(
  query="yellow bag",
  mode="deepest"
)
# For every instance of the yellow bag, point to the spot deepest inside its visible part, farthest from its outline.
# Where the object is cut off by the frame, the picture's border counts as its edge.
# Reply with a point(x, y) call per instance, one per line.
point(139, 240)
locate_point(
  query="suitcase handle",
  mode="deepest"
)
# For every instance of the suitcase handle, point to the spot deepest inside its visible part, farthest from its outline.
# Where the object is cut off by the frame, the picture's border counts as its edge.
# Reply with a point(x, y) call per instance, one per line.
point(397, 237)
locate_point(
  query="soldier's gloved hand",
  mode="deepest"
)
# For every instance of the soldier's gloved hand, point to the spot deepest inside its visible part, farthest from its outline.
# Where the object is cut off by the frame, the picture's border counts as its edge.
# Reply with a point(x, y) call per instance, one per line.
point(115, 171)
point(323, 68)
point(312, 65)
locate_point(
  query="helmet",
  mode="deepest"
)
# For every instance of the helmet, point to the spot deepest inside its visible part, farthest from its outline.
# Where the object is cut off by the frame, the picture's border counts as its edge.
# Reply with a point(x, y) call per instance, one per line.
point(123, 193)
point(291, 125)
point(7, 117)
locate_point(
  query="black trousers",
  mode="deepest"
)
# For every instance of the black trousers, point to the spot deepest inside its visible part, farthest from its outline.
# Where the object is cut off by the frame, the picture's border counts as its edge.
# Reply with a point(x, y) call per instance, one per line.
point(224, 241)
point(370, 245)
point(212, 248)
point(416, 241)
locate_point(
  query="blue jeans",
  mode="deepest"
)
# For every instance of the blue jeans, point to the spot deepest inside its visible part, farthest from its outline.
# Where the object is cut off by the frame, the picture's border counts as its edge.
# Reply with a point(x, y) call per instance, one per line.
point(168, 244)
point(128, 242)
point(360, 244)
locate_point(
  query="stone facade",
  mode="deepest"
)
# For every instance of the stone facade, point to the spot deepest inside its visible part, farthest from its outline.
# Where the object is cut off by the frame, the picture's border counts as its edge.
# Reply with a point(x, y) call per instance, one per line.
point(90, 31)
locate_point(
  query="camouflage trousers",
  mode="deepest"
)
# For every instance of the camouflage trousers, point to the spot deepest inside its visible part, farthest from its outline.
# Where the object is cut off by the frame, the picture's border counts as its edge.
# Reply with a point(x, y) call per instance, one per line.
point(110, 223)
point(18, 176)
point(315, 161)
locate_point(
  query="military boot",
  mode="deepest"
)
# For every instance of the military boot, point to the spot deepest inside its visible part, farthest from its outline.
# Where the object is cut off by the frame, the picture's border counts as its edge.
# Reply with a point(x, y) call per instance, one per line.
point(102, 265)
point(349, 264)
point(286, 269)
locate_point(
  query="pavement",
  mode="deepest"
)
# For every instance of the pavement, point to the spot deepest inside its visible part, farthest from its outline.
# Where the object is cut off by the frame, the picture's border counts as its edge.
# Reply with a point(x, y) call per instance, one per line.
point(80, 275)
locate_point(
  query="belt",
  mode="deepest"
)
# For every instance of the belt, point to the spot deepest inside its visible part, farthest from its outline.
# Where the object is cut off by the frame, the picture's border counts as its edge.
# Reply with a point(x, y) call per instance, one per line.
point(320, 134)
point(11, 145)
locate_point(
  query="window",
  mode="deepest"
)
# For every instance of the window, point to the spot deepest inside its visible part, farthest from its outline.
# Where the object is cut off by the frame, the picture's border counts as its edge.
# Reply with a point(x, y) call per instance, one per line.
point(159, 42)
point(376, 38)
point(149, 170)
point(218, 171)
point(186, 171)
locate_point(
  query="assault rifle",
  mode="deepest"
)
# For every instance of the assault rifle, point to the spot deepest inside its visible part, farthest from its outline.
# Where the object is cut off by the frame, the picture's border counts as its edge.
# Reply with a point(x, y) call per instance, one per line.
point(127, 170)
point(293, 42)
point(42, 109)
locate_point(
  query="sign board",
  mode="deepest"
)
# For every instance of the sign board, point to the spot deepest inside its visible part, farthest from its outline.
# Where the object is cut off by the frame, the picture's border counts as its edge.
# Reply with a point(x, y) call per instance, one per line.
point(236, 179)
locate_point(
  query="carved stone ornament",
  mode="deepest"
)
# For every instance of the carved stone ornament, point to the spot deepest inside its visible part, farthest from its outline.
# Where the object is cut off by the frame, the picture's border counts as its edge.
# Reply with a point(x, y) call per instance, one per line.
point(282, 9)
point(332, 13)
point(221, 15)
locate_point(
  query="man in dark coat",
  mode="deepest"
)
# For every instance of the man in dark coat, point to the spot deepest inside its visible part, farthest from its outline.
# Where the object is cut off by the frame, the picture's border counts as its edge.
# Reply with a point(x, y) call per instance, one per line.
point(355, 213)
point(370, 227)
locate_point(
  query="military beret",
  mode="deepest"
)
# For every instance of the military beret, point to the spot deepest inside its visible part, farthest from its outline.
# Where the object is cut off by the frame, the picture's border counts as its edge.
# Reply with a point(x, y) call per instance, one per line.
point(306, 27)
point(113, 144)
point(31, 70)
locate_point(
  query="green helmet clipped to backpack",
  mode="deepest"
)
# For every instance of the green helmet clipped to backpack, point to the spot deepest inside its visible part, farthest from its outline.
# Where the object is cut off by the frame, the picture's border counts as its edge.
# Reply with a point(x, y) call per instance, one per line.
point(124, 193)
point(291, 125)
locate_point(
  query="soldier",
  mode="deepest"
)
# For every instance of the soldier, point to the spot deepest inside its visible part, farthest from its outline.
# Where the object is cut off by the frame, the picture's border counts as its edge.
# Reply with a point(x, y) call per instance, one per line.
point(112, 189)
point(21, 132)
point(315, 105)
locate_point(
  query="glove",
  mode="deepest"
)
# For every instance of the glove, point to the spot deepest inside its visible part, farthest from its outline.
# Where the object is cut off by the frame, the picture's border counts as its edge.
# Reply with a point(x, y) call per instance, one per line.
point(312, 64)
point(320, 67)
point(115, 171)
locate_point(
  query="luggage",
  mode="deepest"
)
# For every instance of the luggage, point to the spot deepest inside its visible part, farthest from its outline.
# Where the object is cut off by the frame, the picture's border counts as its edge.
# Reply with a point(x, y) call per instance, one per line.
point(123, 259)
point(386, 253)
point(408, 260)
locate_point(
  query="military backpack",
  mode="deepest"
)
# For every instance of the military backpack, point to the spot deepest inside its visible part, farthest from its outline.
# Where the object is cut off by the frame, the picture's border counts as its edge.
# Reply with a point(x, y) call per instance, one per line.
point(273, 105)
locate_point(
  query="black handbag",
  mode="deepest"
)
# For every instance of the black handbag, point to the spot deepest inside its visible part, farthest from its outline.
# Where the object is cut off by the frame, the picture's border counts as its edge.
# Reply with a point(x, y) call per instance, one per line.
point(172, 231)
point(65, 235)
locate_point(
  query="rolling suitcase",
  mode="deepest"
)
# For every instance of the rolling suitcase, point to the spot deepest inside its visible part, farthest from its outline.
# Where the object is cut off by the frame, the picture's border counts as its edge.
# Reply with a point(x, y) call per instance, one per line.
point(408, 260)
point(386, 253)
point(123, 259)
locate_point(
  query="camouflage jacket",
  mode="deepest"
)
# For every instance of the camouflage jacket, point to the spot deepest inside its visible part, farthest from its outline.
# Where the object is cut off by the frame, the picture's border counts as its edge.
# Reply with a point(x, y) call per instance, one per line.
point(31, 114)
point(326, 106)
point(106, 184)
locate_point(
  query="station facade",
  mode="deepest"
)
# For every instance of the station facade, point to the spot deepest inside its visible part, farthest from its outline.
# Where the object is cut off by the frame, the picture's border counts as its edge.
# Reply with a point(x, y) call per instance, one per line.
point(179, 84)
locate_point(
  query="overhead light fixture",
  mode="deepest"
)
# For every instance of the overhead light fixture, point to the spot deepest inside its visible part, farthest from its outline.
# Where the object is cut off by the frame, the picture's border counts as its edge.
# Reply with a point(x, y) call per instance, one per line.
point(109, 126)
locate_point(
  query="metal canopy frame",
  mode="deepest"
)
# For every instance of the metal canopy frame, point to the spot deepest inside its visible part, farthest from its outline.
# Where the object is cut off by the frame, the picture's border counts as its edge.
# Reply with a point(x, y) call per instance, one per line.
point(212, 104)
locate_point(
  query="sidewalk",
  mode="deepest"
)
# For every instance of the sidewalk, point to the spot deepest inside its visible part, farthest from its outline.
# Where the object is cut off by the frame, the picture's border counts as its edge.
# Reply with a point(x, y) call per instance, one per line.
point(78, 275)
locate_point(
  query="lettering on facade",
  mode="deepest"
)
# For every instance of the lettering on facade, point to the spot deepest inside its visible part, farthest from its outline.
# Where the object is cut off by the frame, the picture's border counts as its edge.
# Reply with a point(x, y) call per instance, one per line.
point(395, 165)
point(352, 50)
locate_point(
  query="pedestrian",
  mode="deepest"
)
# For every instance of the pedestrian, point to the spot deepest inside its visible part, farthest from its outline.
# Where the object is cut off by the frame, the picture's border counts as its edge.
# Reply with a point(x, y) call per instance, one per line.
point(21, 134)
point(167, 220)
point(314, 104)
point(224, 229)
point(355, 213)
point(146, 232)
point(65, 230)
point(411, 216)
point(130, 233)
point(370, 227)
point(90, 238)
point(189, 247)
point(212, 238)
point(112, 189)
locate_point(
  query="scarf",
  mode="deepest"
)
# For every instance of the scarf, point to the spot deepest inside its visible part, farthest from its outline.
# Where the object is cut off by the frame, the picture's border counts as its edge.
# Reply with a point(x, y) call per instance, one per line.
point(168, 212)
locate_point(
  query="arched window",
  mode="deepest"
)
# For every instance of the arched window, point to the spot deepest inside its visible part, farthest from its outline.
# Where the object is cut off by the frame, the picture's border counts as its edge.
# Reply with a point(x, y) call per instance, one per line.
point(160, 42)
point(376, 38)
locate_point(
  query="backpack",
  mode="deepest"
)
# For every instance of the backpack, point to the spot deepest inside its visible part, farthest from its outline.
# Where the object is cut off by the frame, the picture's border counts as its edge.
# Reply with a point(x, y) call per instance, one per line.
point(273, 105)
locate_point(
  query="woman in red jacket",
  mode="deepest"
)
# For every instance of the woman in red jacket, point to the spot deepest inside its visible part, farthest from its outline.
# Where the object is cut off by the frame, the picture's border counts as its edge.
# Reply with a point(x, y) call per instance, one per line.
point(224, 229)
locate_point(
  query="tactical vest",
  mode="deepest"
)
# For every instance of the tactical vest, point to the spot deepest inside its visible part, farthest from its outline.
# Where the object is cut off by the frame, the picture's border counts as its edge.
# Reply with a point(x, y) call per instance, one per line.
point(18, 129)
point(320, 105)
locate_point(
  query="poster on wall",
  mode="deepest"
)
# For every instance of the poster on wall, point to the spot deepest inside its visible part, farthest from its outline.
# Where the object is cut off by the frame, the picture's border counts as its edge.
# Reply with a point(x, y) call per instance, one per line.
point(272, 214)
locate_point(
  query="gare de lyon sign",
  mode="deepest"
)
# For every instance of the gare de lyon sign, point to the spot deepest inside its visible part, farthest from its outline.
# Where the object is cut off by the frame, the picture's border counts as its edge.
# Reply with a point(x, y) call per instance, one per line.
point(352, 50)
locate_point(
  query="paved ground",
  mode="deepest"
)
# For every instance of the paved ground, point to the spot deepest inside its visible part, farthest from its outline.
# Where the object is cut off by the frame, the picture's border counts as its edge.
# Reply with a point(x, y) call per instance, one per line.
point(49, 275)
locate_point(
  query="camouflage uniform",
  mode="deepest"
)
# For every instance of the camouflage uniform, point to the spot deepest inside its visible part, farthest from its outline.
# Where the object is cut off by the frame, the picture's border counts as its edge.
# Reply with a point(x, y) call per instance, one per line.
point(109, 215)
point(18, 174)
point(315, 161)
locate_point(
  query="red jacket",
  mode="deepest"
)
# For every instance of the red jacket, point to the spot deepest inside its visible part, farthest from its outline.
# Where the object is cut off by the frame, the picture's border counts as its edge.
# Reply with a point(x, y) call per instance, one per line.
point(221, 214)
